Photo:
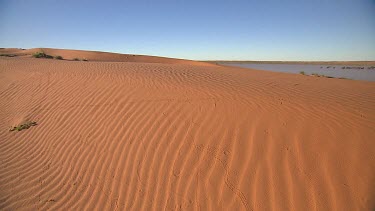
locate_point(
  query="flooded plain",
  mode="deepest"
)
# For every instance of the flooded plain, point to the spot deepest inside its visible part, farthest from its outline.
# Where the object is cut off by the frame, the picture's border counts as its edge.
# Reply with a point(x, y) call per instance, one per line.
point(366, 73)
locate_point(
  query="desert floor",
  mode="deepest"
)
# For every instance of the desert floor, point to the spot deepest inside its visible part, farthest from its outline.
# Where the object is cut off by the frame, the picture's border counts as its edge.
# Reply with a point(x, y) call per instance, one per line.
point(128, 132)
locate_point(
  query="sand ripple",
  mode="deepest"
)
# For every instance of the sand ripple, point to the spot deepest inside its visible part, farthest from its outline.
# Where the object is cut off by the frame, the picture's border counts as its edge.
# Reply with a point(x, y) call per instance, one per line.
point(156, 136)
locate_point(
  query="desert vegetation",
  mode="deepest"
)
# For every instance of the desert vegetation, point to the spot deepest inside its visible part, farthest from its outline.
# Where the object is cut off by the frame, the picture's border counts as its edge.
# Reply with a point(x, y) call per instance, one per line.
point(23, 126)
point(41, 54)
point(79, 59)
point(319, 75)
point(8, 55)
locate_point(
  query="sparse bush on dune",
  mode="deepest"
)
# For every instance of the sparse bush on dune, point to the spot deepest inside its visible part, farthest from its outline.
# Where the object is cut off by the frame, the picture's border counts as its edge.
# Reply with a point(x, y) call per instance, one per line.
point(78, 59)
point(320, 75)
point(37, 55)
point(59, 57)
point(41, 54)
point(8, 55)
point(23, 126)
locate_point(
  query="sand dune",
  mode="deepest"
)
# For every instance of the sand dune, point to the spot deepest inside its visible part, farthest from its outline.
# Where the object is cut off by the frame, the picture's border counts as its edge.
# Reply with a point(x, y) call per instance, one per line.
point(181, 135)
point(98, 56)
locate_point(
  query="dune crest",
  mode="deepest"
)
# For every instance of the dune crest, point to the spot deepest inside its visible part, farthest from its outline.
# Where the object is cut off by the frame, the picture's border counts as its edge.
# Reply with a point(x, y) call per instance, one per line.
point(181, 135)
point(68, 54)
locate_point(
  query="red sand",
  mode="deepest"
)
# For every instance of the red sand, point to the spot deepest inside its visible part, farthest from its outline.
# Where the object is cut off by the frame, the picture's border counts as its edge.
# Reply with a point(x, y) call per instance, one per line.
point(151, 133)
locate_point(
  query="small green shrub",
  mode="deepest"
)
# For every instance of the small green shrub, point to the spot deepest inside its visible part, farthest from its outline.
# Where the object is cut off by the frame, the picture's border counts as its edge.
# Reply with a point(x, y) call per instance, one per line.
point(39, 54)
point(8, 55)
point(42, 55)
point(323, 76)
point(78, 59)
point(302, 73)
point(59, 57)
point(23, 126)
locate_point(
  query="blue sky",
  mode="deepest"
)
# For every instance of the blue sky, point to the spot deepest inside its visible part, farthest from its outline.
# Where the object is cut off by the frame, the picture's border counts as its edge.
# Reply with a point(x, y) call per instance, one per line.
point(196, 29)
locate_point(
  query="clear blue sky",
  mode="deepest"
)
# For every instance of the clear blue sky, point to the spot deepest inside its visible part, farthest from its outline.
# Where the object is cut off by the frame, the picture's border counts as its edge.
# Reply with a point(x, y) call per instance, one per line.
point(196, 29)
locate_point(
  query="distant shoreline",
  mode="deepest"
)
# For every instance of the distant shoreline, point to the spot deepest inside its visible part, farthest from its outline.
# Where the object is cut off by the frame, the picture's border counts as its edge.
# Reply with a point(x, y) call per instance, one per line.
point(356, 63)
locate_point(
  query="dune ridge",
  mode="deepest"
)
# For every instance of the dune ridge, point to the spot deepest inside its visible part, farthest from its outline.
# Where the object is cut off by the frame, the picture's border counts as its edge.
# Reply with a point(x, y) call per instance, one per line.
point(180, 135)
point(69, 54)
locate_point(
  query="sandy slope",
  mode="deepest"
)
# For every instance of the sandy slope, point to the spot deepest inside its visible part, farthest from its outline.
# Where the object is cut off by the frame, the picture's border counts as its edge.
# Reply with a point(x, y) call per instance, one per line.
point(156, 136)
point(98, 56)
